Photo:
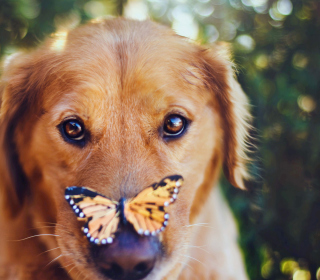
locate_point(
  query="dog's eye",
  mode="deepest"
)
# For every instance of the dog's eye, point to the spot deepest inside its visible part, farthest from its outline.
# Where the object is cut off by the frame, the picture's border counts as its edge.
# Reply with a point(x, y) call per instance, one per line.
point(174, 125)
point(74, 130)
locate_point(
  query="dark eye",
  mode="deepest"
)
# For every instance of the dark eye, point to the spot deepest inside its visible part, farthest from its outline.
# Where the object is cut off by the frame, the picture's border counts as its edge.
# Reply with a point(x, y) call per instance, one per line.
point(74, 130)
point(174, 125)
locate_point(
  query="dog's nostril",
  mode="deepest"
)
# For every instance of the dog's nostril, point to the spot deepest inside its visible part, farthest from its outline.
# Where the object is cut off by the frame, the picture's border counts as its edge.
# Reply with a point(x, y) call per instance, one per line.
point(141, 268)
point(114, 272)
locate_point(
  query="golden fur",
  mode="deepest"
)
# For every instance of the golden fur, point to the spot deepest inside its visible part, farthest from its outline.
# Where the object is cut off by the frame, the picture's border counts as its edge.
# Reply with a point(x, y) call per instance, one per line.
point(121, 78)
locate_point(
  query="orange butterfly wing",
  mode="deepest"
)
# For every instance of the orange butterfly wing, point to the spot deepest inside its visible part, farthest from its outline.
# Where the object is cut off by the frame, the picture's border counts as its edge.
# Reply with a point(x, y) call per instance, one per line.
point(147, 211)
point(100, 213)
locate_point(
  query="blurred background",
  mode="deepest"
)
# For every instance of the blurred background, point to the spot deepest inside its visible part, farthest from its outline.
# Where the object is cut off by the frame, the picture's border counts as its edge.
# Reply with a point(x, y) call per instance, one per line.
point(276, 45)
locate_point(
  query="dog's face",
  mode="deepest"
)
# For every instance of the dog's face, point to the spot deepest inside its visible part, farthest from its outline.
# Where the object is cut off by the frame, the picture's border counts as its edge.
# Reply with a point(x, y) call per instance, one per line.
point(118, 107)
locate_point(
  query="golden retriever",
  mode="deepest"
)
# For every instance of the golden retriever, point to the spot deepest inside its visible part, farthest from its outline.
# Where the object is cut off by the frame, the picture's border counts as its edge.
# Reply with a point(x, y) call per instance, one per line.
point(117, 105)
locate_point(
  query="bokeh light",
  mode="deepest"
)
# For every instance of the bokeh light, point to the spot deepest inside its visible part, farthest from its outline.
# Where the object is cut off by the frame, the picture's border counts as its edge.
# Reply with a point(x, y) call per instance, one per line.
point(30, 9)
point(204, 9)
point(136, 9)
point(266, 269)
point(318, 274)
point(59, 41)
point(284, 7)
point(262, 61)
point(289, 266)
point(184, 23)
point(95, 9)
point(67, 21)
point(211, 33)
point(299, 60)
point(245, 43)
point(307, 103)
point(301, 275)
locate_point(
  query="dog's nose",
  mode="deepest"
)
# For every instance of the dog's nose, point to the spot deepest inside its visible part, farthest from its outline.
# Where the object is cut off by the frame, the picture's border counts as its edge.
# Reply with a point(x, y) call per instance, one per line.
point(129, 257)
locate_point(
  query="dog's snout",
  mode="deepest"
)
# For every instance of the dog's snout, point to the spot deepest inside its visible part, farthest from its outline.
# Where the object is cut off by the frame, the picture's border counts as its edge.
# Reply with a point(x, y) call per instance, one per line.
point(129, 257)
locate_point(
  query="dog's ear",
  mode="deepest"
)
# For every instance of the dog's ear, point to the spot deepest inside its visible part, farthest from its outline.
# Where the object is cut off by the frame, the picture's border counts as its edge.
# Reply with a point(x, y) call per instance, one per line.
point(16, 95)
point(232, 105)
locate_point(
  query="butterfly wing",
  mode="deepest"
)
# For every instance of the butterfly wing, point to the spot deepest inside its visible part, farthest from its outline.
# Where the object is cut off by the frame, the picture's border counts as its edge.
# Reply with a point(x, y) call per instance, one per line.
point(99, 212)
point(147, 211)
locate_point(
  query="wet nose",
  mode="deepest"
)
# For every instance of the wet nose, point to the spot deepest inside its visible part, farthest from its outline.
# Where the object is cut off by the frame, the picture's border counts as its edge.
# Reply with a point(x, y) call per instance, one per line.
point(129, 257)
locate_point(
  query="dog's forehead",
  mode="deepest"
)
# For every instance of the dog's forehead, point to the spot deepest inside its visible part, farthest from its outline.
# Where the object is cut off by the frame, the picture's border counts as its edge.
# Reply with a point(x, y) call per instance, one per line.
point(126, 54)
point(126, 73)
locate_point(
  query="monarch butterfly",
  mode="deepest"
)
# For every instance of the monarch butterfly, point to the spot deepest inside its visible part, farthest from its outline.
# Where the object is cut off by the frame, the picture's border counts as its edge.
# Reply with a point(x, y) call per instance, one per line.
point(146, 211)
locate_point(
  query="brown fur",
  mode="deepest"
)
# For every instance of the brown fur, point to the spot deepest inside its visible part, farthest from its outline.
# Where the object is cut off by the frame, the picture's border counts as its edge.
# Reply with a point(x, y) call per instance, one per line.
point(121, 78)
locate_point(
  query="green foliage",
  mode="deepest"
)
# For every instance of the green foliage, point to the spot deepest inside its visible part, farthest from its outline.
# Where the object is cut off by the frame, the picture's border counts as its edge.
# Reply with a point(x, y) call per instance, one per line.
point(280, 76)
point(276, 47)
point(25, 23)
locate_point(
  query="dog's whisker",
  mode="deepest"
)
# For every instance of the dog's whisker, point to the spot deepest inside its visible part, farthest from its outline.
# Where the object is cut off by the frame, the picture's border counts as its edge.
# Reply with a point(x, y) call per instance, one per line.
point(54, 260)
point(196, 247)
point(52, 227)
point(64, 266)
point(185, 264)
point(79, 274)
point(196, 224)
point(189, 245)
point(37, 235)
point(48, 251)
point(71, 269)
point(84, 162)
point(199, 225)
point(194, 259)
point(62, 255)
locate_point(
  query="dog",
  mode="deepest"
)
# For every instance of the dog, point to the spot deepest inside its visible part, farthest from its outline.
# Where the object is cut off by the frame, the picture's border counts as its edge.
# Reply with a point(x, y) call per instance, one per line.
point(116, 105)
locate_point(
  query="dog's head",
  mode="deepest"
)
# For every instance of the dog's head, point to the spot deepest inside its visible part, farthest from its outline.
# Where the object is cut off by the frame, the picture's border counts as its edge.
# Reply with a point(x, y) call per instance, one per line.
point(116, 106)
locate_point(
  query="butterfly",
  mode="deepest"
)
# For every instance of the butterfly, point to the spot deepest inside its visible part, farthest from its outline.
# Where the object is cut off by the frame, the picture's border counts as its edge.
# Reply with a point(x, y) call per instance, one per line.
point(102, 215)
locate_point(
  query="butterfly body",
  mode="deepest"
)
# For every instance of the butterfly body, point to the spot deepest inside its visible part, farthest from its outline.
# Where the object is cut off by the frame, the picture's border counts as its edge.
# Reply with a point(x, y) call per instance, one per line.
point(103, 216)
